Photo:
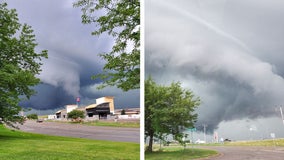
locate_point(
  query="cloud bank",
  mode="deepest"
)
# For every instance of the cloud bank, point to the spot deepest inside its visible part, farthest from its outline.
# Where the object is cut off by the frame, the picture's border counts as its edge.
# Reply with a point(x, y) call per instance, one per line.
point(73, 56)
point(228, 53)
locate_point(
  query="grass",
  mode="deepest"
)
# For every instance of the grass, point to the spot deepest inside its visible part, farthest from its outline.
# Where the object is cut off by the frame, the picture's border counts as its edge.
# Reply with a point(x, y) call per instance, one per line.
point(276, 142)
point(42, 116)
point(127, 124)
point(265, 143)
point(28, 146)
point(179, 153)
point(131, 124)
point(176, 152)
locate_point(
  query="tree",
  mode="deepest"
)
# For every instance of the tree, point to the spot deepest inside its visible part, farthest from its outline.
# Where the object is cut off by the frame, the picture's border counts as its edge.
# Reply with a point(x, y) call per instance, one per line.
point(121, 20)
point(122, 112)
point(76, 114)
point(32, 116)
point(19, 64)
point(168, 111)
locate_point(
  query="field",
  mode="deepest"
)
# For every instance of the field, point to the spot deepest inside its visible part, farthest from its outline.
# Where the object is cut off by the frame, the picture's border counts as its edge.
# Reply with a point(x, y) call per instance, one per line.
point(28, 146)
point(276, 142)
point(119, 123)
point(178, 153)
point(108, 123)
point(265, 143)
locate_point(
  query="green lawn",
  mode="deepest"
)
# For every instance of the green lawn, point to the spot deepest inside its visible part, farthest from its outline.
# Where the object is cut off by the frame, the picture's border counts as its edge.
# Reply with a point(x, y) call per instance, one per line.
point(131, 124)
point(178, 153)
point(128, 124)
point(17, 145)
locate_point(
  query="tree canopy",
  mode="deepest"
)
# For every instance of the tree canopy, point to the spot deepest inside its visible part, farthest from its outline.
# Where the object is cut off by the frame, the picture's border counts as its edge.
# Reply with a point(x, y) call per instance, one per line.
point(19, 64)
point(75, 114)
point(168, 111)
point(121, 20)
point(32, 116)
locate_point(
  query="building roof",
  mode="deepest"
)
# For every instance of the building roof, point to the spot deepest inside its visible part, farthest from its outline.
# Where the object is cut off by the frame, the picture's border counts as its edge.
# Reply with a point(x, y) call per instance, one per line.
point(58, 111)
point(96, 105)
point(81, 108)
point(91, 106)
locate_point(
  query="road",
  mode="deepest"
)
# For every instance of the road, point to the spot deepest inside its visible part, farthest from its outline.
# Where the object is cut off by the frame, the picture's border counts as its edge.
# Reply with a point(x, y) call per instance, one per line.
point(83, 131)
point(247, 153)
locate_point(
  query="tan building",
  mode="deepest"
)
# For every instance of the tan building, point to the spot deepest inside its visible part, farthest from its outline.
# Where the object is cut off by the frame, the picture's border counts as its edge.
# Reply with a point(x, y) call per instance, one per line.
point(104, 106)
point(107, 99)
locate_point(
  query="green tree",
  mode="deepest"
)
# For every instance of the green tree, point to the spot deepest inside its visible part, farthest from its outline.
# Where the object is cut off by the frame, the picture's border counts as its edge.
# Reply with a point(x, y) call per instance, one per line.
point(32, 116)
point(19, 64)
point(122, 112)
point(121, 20)
point(76, 114)
point(168, 111)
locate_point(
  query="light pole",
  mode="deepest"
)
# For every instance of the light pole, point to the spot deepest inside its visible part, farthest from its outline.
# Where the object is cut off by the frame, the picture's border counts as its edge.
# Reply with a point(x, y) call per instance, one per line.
point(204, 129)
point(281, 114)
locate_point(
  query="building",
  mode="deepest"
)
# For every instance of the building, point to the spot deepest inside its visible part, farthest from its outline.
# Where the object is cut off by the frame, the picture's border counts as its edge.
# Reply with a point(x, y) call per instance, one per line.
point(104, 106)
point(62, 114)
point(71, 107)
point(102, 109)
point(52, 116)
point(129, 113)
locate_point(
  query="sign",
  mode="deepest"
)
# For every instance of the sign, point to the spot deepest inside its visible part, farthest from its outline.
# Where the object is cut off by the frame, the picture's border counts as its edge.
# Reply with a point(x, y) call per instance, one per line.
point(272, 135)
point(216, 136)
point(78, 99)
point(191, 129)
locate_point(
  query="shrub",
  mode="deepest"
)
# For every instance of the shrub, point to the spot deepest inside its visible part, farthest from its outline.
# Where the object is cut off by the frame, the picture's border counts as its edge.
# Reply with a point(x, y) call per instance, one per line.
point(76, 114)
point(123, 112)
point(32, 116)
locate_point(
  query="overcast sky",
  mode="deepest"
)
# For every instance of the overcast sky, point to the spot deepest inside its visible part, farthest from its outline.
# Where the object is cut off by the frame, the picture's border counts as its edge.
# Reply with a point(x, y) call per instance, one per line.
point(73, 55)
point(229, 53)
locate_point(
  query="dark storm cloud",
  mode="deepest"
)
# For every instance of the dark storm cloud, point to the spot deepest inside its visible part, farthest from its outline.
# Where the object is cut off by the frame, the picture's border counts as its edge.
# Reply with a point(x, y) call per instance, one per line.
point(228, 52)
point(73, 55)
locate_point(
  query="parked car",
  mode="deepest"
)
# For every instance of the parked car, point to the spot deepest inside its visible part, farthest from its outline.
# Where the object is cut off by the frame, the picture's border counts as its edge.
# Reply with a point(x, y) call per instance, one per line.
point(227, 140)
point(39, 120)
point(200, 142)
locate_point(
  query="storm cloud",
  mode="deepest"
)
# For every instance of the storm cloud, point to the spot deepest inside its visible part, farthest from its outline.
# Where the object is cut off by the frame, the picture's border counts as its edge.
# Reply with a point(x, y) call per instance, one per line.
point(229, 53)
point(73, 56)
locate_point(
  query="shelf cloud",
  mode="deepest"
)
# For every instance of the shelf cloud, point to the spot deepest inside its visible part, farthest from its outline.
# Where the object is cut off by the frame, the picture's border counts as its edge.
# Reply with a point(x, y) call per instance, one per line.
point(227, 52)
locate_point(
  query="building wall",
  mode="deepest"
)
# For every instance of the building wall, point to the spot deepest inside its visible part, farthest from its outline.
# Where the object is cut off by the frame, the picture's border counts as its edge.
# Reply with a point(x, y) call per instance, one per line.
point(64, 114)
point(70, 108)
point(107, 99)
point(53, 116)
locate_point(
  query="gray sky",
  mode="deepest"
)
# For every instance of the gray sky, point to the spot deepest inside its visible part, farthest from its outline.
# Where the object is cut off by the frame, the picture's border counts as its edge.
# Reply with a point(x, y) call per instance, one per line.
point(229, 53)
point(73, 55)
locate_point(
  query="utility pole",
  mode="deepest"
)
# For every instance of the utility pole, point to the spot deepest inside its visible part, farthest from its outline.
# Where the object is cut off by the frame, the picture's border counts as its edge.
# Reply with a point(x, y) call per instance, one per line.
point(281, 115)
point(204, 129)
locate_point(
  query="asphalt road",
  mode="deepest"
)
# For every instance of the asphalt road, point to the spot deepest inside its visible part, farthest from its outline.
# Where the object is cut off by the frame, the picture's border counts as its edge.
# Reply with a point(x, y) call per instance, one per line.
point(82, 131)
point(247, 153)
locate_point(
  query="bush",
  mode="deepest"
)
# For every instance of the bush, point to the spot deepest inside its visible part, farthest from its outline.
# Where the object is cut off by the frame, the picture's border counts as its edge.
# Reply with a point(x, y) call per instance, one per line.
point(123, 112)
point(32, 116)
point(76, 114)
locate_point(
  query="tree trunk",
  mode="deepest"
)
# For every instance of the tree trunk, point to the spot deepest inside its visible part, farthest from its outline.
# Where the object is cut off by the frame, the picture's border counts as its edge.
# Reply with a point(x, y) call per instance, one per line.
point(150, 147)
